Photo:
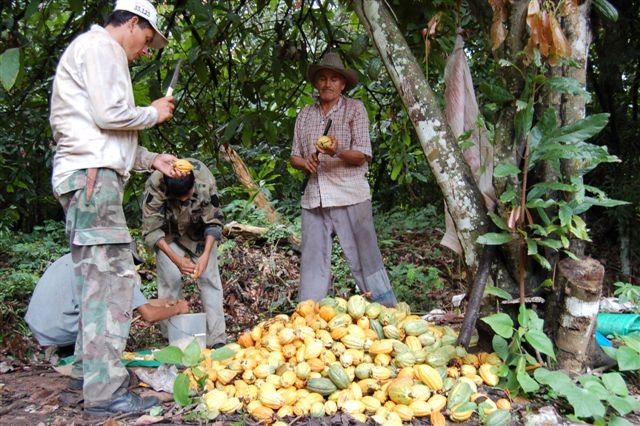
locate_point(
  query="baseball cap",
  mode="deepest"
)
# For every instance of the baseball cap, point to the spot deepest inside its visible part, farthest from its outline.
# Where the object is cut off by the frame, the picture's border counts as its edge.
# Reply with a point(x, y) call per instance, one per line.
point(144, 9)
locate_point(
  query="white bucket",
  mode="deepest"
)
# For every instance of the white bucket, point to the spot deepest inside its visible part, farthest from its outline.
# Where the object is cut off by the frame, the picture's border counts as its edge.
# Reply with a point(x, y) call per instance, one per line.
point(182, 329)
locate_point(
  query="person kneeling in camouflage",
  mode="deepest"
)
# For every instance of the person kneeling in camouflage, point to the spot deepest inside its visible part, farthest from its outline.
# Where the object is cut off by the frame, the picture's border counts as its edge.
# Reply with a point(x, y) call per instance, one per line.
point(182, 222)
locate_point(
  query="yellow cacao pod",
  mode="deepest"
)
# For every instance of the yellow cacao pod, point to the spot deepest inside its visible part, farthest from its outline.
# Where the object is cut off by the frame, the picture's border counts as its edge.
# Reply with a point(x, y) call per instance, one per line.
point(404, 412)
point(353, 342)
point(488, 374)
point(356, 306)
point(503, 404)
point(264, 414)
point(468, 370)
point(437, 402)
point(313, 349)
point(462, 412)
point(415, 327)
point(231, 405)
point(384, 346)
point(420, 408)
point(323, 142)
point(317, 409)
point(183, 166)
point(400, 391)
point(429, 376)
point(436, 418)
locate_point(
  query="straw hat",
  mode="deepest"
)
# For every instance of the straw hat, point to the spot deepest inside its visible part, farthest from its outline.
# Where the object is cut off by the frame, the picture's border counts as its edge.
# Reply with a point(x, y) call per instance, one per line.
point(332, 61)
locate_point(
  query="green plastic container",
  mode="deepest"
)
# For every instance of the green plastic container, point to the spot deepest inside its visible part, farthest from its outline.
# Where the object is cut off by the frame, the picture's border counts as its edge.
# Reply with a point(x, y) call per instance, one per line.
point(620, 324)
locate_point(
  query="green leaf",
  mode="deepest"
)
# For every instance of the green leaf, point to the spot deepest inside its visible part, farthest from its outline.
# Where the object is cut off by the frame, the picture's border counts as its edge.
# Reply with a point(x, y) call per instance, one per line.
point(585, 404)
point(498, 292)
point(559, 381)
point(225, 352)
point(532, 246)
point(181, 390)
point(9, 67)
point(507, 196)
point(540, 342)
point(494, 239)
point(580, 130)
point(619, 421)
point(497, 220)
point(632, 341)
point(495, 93)
point(554, 244)
point(621, 405)
point(501, 346)
point(192, 354)
point(527, 383)
point(542, 261)
point(169, 355)
point(504, 170)
point(594, 386)
point(565, 214)
point(611, 352)
point(615, 383)
point(501, 324)
point(628, 359)
point(568, 85)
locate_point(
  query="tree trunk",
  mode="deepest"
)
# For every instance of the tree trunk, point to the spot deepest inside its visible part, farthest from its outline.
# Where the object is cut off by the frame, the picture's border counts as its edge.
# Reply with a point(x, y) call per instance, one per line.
point(579, 290)
point(244, 177)
point(440, 146)
point(578, 31)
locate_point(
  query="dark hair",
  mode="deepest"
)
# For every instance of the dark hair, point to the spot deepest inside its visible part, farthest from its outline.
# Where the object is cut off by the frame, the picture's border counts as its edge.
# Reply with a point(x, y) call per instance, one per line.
point(178, 187)
point(121, 17)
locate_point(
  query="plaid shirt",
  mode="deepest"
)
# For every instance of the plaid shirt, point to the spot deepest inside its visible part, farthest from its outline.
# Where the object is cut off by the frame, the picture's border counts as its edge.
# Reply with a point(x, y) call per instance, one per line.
point(336, 183)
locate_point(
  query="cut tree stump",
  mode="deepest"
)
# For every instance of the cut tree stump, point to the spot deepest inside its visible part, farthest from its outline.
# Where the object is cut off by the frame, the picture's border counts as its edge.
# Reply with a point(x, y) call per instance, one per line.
point(580, 287)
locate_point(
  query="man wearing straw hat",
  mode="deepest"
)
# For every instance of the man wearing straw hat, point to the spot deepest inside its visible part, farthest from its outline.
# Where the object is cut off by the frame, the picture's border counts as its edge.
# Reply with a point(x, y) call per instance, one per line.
point(95, 124)
point(337, 198)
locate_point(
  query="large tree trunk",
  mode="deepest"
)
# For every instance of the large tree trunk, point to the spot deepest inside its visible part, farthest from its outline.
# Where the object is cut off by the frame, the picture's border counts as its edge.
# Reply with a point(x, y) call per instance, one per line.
point(445, 158)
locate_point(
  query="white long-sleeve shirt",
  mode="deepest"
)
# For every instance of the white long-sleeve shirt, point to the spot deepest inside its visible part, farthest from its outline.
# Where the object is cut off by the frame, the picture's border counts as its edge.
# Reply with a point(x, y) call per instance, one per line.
point(93, 117)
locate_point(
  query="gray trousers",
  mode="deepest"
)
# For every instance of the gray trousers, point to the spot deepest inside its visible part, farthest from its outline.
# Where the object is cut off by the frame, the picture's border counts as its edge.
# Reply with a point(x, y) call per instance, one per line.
point(170, 286)
point(354, 227)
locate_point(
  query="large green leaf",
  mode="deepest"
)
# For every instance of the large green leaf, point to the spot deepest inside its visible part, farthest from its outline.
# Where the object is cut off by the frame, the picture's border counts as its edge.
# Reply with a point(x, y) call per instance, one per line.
point(192, 354)
point(181, 390)
point(501, 323)
point(504, 170)
point(9, 67)
point(568, 85)
point(615, 383)
point(527, 383)
point(494, 239)
point(628, 359)
point(169, 355)
point(580, 130)
point(585, 404)
point(556, 380)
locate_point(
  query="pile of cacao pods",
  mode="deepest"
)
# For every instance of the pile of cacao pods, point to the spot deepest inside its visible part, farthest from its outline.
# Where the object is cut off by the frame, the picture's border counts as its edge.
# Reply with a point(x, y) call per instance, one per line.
point(353, 356)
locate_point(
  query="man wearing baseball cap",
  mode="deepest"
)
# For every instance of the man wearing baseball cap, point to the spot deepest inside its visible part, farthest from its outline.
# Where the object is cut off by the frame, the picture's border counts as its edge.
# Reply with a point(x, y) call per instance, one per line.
point(95, 125)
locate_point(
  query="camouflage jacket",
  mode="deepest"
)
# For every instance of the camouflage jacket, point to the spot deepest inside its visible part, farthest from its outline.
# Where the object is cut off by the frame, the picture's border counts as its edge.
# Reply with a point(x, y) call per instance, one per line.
point(188, 222)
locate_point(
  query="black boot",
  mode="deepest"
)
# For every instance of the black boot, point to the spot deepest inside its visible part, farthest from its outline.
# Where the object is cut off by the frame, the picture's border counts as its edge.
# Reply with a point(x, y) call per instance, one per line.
point(128, 402)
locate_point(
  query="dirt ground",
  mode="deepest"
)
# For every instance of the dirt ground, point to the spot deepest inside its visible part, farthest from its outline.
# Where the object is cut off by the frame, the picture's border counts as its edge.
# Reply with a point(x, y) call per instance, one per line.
point(259, 281)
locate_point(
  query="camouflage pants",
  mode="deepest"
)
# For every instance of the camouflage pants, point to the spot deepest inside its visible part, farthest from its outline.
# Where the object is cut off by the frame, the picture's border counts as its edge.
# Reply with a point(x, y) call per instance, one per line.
point(104, 277)
point(209, 284)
